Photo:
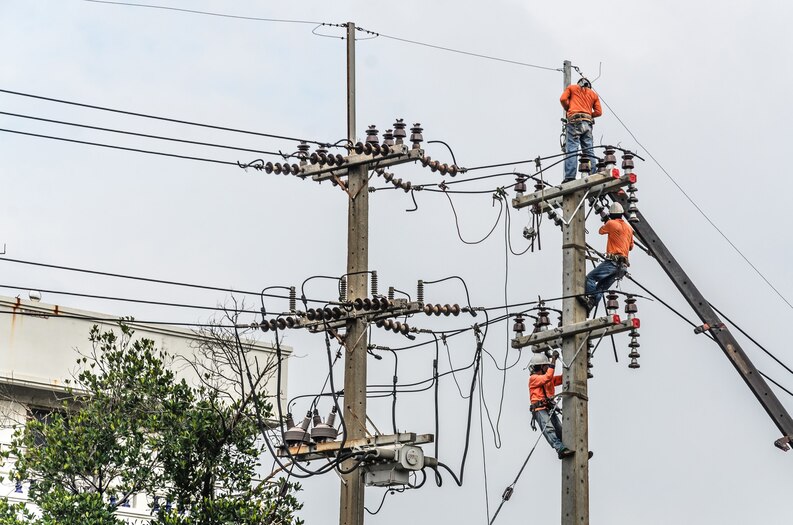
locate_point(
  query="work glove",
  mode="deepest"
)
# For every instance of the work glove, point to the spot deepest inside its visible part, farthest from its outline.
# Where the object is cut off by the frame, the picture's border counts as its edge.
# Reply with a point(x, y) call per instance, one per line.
point(555, 354)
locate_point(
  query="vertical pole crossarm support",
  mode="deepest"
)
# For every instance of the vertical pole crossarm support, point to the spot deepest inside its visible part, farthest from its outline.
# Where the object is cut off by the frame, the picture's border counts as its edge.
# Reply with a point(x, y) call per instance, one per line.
point(721, 334)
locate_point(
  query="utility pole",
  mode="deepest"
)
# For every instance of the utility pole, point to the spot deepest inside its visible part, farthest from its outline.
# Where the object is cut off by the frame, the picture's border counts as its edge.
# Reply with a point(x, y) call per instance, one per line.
point(351, 506)
point(575, 421)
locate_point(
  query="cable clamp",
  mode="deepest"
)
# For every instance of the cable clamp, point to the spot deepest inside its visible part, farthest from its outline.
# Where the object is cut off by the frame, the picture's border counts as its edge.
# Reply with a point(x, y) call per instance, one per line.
point(705, 327)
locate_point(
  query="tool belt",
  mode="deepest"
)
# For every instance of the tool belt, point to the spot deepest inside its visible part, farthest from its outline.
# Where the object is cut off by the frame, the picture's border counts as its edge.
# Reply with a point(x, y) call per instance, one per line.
point(545, 404)
point(621, 260)
point(577, 117)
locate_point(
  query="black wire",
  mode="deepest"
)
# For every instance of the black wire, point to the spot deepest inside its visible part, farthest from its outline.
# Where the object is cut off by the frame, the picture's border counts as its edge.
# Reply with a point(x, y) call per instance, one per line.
point(151, 280)
point(458, 51)
point(134, 134)
point(700, 210)
point(457, 221)
point(192, 11)
point(123, 148)
point(47, 314)
point(129, 300)
point(165, 119)
point(777, 384)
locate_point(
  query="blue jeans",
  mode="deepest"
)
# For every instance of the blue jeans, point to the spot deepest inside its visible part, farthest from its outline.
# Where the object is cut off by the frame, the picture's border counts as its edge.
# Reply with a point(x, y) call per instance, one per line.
point(601, 278)
point(552, 431)
point(579, 134)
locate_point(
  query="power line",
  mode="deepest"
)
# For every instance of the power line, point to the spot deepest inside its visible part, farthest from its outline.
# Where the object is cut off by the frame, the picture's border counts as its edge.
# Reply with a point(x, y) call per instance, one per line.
point(207, 13)
point(459, 51)
point(156, 117)
point(705, 215)
point(111, 146)
point(152, 280)
point(60, 315)
point(132, 133)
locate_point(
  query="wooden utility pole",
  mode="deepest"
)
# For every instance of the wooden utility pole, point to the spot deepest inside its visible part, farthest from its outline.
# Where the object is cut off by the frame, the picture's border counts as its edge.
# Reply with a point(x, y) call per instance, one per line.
point(575, 422)
point(351, 506)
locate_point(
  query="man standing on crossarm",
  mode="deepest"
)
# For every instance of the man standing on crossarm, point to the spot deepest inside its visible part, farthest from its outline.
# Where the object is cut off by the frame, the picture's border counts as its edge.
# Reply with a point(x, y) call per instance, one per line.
point(614, 265)
point(583, 107)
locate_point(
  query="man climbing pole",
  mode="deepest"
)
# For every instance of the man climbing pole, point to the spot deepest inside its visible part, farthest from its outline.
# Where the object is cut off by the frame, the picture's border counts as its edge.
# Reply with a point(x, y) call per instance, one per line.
point(583, 107)
point(615, 263)
point(542, 385)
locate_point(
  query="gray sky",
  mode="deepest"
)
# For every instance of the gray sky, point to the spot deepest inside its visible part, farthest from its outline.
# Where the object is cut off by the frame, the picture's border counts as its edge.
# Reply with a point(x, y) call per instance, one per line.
point(702, 85)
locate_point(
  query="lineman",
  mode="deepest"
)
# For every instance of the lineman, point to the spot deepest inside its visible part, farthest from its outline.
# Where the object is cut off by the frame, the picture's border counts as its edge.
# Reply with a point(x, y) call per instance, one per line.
point(613, 267)
point(582, 106)
point(542, 385)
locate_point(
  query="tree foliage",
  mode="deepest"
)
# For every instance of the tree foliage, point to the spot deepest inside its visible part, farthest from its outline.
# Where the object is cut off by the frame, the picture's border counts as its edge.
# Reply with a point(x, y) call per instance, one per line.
point(129, 426)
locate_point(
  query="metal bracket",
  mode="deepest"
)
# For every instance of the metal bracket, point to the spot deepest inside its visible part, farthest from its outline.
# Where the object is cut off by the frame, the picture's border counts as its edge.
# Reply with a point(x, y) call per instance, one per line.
point(399, 155)
point(602, 182)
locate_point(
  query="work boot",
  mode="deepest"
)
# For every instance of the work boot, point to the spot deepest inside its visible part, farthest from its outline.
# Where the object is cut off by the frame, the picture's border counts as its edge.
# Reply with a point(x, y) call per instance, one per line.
point(587, 302)
point(565, 453)
point(590, 454)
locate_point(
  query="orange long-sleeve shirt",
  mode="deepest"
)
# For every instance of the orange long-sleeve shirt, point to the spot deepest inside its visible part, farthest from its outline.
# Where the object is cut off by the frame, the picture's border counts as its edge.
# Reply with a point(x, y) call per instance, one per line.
point(576, 99)
point(542, 386)
point(620, 237)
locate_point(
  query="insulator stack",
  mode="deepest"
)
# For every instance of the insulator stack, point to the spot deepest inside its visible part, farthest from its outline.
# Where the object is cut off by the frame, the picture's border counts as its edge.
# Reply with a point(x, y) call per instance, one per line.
point(324, 431)
point(554, 217)
point(374, 282)
point(600, 166)
point(631, 308)
point(612, 304)
point(302, 152)
point(292, 299)
point(520, 184)
point(343, 289)
point(584, 167)
point(320, 156)
point(610, 161)
point(284, 168)
point(390, 293)
point(420, 292)
point(519, 327)
point(627, 163)
point(388, 138)
point(399, 131)
point(634, 345)
point(295, 435)
point(416, 138)
point(446, 309)
point(543, 319)
point(395, 326)
point(398, 183)
point(371, 135)
point(632, 200)
point(434, 166)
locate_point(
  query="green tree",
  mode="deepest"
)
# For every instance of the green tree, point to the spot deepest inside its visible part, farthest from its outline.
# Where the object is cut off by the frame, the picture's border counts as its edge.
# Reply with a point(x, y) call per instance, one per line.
point(129, 426)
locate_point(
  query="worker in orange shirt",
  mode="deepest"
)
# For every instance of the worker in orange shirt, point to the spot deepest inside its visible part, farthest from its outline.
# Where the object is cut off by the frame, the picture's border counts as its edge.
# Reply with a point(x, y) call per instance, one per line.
point(614, 265)
point(542, 385)
point(583, 107)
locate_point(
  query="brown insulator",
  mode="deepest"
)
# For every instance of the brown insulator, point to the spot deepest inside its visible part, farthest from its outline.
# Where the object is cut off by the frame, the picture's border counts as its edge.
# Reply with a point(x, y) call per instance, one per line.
point(385, 303)
point(286, 168)
point(371, 135)
point(388, 176)
point(627, 161)
point(367, 149)
point(388, 324)
point(376, 149)
point(631, 308)
point(291, 322)
point(446, 310)
point(336, 312)
point(379, 323)
point(264, 327)
point(358, 304)
point(453, 170)
point(415, 135)
point(425, 160)
point(520, 184)
point(428, 309)
point(367, 304)
point(434, 166)
point(359, 147)
point(634, 364)
point(608, 155)
point(375, 303)
point(399, 131)
point(437, 310)
point(330, 160)
point(296, 169)
point(273, 324)
point(455, 310)
point(388, 137)
point(327, 313)
point(612, 305)
point(443, 168)
point(407, 186)
point(404, 329)
point(340, 159)
point(385, 149)
point(268, 168)
point(281, 323)
point(311, 314)
point(519, 327)
point(397, 182)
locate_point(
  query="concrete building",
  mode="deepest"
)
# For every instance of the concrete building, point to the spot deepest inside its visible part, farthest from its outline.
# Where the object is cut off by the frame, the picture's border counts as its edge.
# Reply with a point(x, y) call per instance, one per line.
point(39, 347)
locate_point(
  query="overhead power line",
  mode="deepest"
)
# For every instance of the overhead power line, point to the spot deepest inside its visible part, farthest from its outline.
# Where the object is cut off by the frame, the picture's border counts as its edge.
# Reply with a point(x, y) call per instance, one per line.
point(700, 210)
point(111, 319)
point(111, 146)
point(152, 280)
point(165, 119)
point(134, 134)
point(207, 13)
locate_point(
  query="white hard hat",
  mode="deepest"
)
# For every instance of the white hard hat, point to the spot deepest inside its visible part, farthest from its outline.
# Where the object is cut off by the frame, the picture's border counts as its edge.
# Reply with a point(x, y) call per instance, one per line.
point(539, 359)
point(616, 209)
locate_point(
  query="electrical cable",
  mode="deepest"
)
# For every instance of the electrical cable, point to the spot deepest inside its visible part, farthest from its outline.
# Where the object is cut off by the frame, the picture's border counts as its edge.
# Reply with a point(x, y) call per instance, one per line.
point(457, 221)
point(461, 52)
point(484, 449)
point(122, 148)
point(164, 119)
point(47, 314)
point(143, 135)
point(700, 210)
point(208, 13)
point(151, 280)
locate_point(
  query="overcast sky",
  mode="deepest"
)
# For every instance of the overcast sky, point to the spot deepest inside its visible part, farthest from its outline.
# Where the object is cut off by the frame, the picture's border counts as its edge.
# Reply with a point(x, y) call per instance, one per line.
point(702, 85)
